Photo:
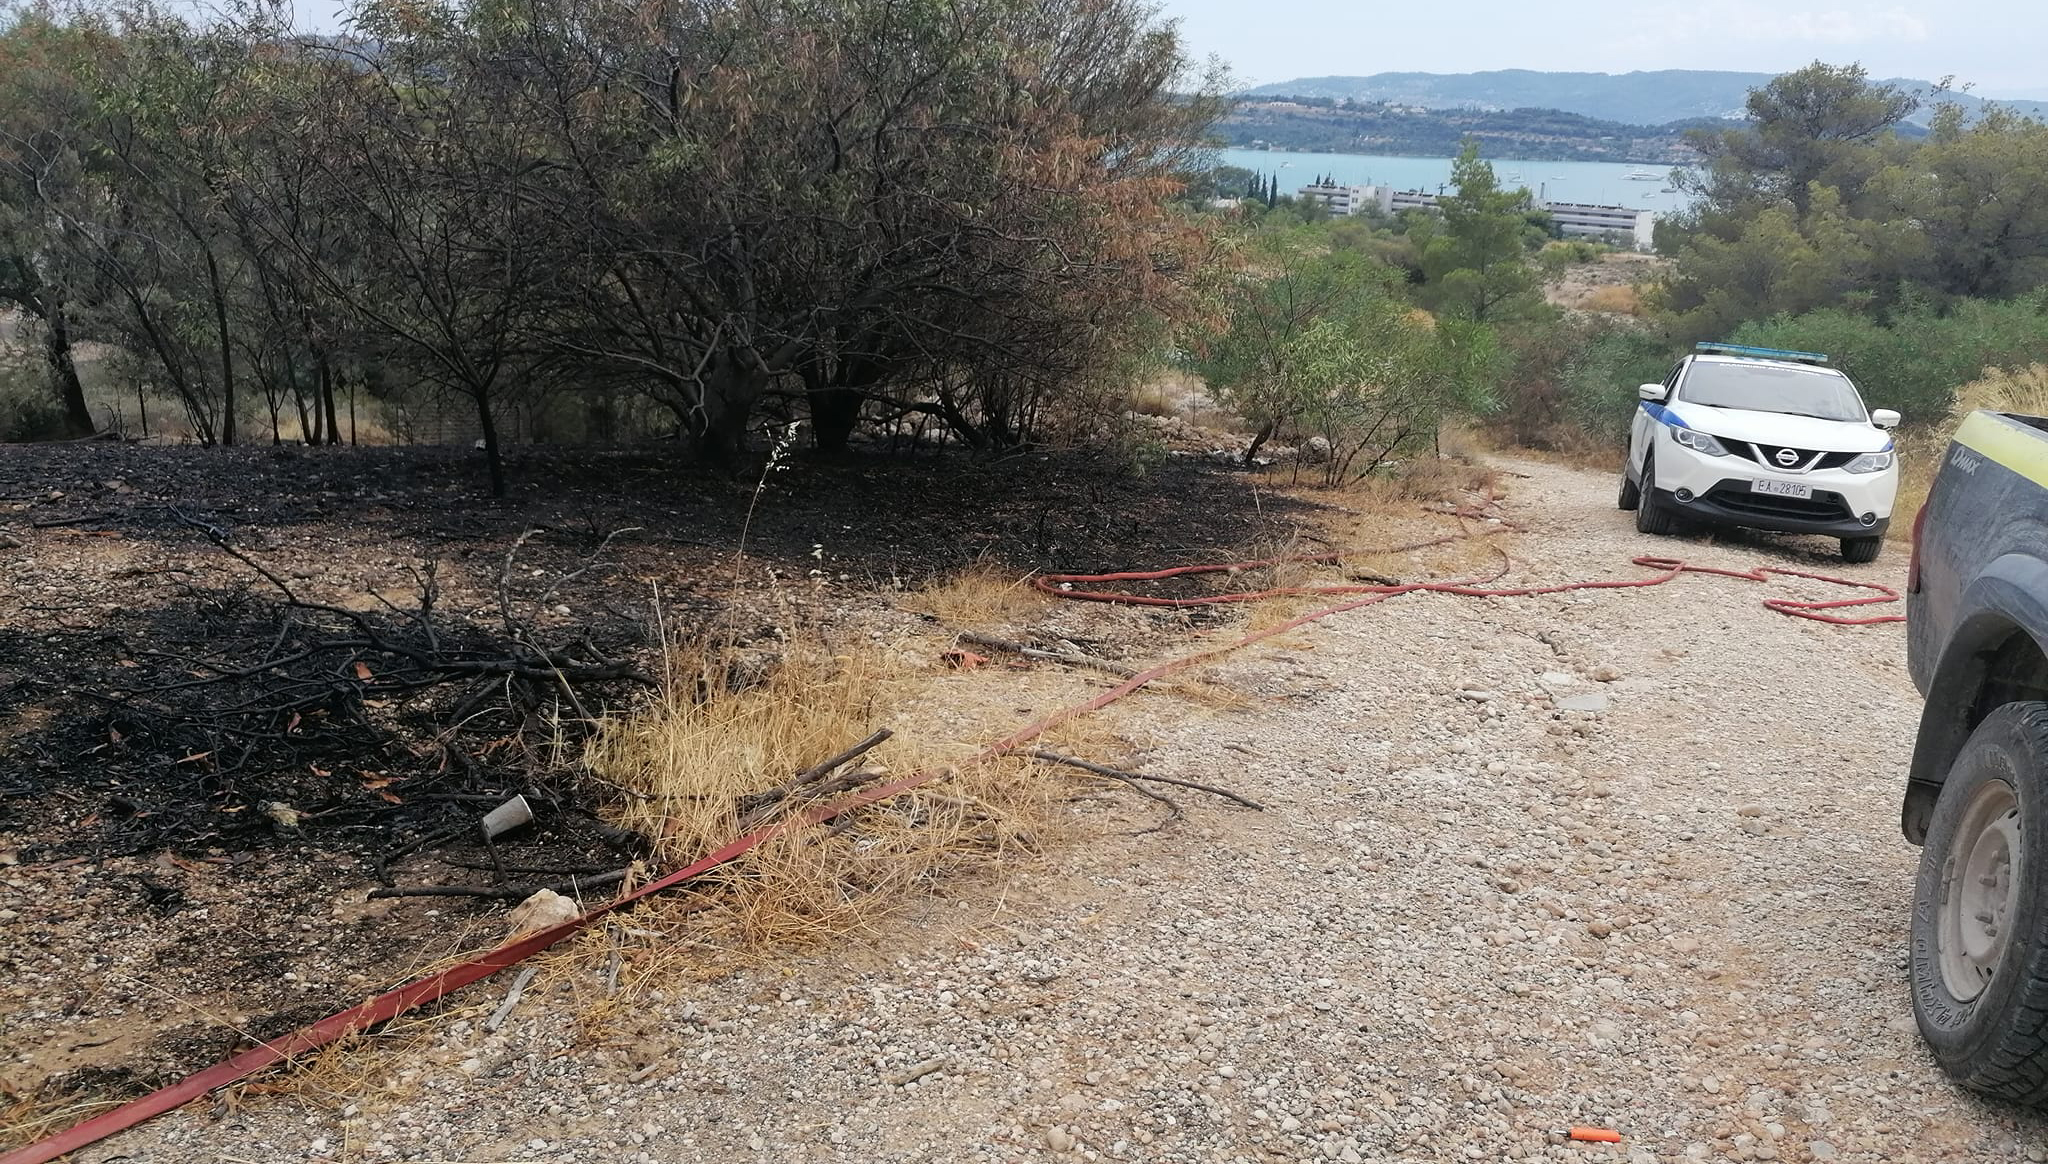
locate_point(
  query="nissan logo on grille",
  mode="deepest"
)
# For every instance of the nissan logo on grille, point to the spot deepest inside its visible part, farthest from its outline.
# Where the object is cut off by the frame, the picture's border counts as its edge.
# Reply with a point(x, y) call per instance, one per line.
point(1787, 457)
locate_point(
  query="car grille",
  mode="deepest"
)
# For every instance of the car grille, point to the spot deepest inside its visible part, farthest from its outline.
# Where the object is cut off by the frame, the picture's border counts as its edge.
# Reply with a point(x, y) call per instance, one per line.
point(1824, 505)
point(1806, 460)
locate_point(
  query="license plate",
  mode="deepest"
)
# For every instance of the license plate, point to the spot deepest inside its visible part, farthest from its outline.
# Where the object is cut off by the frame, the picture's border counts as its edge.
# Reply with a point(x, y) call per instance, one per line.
point(1781, 488)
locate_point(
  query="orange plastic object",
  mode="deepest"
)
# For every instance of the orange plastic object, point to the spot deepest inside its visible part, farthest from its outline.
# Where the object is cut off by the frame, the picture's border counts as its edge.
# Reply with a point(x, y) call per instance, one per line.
point(1592, 1135)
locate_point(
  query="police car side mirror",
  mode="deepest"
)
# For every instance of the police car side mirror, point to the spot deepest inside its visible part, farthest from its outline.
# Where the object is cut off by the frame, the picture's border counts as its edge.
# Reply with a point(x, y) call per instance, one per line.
point(1885, 418)
point(1651, 391)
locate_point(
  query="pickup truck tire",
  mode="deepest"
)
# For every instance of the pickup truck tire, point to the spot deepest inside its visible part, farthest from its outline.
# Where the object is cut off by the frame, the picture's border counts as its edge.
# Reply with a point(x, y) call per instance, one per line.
point(1978, 962)
point(1631, 495)
point(1861, 549)
point(1652, 515)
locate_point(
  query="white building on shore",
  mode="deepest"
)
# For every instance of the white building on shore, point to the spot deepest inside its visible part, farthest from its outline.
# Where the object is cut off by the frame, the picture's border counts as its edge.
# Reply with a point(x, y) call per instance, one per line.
point(1340, 201)
point(1574, 219)
point(1588, 220)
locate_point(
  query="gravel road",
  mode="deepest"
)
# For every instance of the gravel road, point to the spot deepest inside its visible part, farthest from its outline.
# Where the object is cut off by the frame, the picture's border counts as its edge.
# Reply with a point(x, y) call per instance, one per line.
point(1468, 916)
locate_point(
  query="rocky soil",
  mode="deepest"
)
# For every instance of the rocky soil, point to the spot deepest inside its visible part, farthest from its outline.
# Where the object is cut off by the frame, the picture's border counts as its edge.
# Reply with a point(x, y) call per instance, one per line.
point(1576, 283)
point(1626, 858)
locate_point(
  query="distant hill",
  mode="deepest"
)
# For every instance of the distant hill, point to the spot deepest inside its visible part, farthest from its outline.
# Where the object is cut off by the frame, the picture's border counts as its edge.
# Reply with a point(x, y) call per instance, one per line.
point(1323, 124)
point(1651, 98)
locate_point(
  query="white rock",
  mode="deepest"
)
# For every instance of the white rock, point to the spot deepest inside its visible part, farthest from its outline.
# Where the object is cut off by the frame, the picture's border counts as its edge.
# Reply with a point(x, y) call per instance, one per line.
point(544, 910)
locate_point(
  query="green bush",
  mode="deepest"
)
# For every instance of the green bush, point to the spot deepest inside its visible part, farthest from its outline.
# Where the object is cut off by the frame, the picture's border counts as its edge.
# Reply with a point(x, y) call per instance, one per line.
point(1575, 381)
point(1600, 383)
point(1569, 251)
point(1916, 361)
point(27, 410)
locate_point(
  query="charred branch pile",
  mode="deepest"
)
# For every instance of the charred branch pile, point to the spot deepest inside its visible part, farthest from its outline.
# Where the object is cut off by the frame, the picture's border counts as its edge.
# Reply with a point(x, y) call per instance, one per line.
point(297, 709)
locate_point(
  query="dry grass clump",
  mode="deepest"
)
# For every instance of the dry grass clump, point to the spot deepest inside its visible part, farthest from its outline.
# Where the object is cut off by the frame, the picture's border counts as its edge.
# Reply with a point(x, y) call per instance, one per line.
point(704, 763)
point(1430, 478)
point(982, 595)
point(1920, 447)
point(1617, 299)
point(1177, 394)
point(27, 1118)
point(1153, 399)
point(1281, 573)
point(1919, 451)
point(2020, 390)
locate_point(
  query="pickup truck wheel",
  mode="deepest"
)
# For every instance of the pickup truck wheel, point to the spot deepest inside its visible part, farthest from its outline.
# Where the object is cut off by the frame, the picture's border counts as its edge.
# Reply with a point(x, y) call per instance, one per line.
point(1861, 549)
point(1652, 515)
point(1631, 494)
point(1979, 954)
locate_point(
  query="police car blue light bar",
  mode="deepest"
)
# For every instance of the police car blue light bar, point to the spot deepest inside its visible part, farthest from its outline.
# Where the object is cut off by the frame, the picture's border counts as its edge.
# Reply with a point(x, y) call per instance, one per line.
point(1762, 353)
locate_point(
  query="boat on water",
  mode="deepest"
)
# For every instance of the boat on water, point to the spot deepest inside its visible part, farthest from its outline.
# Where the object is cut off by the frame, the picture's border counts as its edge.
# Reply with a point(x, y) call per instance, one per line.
point(1643, 176)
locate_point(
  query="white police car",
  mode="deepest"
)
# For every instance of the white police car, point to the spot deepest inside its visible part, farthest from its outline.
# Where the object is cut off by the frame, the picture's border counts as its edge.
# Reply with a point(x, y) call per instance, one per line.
point(1762, 439)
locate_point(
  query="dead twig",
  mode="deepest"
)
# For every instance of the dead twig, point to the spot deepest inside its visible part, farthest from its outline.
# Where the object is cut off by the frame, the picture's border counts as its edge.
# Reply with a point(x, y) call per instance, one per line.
point(1120, 774)
point(916, 1071)
point(549, 871)
point(56, 522)
point(1173, 809)
point(504, 892)
point(754, 809)
point(1071, 658)
point(381, 866)
point(823, 768)
point(504, 1010)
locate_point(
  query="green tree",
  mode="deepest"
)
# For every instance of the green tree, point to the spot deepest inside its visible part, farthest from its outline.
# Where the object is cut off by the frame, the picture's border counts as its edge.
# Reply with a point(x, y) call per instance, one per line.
point(1260, 362)
point(1321, 342)
point(1381, 378)
point(953, 208)
point(1475, 263)
point(1807, 205)
point(1823, 124)
point(40, 104)
point(1971, 205)
point(1776, 263)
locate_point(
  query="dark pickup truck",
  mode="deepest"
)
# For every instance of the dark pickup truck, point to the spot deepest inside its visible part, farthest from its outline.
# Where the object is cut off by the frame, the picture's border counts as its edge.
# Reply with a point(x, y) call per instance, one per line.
point(1977, 793)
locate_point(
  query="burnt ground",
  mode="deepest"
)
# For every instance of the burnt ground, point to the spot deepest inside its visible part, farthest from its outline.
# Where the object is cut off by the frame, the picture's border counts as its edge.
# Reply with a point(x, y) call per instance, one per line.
point(187, 824)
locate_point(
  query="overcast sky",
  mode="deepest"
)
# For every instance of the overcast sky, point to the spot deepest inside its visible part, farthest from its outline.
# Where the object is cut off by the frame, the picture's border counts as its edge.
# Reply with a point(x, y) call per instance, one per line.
point(2000, 46)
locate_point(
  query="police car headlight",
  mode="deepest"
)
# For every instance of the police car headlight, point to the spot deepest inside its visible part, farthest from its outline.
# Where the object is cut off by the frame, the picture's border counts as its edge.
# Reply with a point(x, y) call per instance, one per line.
point(1870, 462)
point(1697, 441)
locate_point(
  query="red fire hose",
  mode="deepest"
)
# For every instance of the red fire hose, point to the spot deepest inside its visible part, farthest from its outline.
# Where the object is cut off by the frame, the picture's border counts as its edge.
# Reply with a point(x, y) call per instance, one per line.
point(422, 991)
point(1064, 585)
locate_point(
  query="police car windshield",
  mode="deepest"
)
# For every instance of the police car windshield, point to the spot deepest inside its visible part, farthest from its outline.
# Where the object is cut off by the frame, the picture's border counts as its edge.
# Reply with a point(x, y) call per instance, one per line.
point(1759, 387)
